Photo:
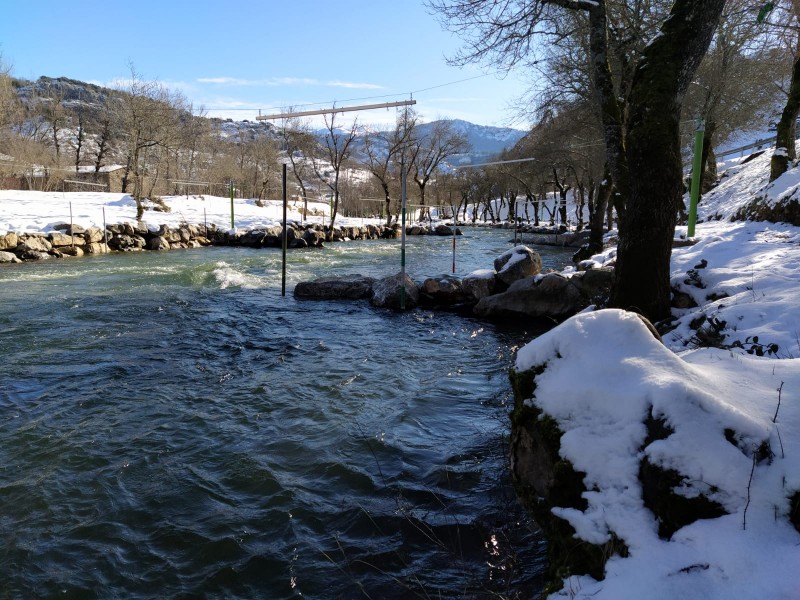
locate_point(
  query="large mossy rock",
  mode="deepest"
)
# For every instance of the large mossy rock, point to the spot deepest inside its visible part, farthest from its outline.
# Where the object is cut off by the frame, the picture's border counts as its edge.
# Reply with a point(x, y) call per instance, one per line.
point(562, 414)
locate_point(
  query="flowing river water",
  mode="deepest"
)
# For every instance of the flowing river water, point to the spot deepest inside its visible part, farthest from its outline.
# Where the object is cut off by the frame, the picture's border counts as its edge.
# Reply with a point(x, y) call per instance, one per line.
point(171, 426)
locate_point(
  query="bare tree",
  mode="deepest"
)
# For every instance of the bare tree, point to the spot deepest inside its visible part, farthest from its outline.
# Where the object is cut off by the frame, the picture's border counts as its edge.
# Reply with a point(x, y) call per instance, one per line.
point(9, 102)
point(428, 152)
point(298, 143)
point(336, 151)
point(383, 149)
point(150, 115)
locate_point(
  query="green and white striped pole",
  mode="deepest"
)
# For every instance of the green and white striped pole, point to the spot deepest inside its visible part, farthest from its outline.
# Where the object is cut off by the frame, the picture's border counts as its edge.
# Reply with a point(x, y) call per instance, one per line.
point(694, 196)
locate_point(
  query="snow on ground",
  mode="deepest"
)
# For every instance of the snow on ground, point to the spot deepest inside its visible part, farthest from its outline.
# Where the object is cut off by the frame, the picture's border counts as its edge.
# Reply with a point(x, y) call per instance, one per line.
point(25, 211)
point(605, 372)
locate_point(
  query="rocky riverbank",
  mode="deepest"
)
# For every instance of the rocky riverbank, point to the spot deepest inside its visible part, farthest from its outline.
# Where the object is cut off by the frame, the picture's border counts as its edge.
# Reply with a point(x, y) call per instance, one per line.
point(75, 240)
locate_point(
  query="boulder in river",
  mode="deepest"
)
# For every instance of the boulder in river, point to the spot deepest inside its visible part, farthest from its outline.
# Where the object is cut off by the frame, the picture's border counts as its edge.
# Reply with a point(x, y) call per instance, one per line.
point(349, 287)
point(386, 292)
point(516, 264)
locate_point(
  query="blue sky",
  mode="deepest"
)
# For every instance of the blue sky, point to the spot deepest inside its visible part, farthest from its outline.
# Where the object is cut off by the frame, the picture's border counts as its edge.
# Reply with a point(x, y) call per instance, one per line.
point(240, 56)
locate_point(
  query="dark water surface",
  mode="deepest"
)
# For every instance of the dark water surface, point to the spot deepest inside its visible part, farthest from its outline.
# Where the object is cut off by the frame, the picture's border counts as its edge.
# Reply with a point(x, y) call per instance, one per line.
point(170, 426)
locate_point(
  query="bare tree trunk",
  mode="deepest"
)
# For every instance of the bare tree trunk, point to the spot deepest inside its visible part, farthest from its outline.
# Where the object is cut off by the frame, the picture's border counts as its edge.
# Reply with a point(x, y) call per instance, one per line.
point(601, 202)
point(709, 158)
point(647, 226)
point(786, 131)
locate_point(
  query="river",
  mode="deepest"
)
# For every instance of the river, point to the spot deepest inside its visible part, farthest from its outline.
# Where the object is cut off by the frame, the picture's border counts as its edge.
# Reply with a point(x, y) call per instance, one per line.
point(171, 426)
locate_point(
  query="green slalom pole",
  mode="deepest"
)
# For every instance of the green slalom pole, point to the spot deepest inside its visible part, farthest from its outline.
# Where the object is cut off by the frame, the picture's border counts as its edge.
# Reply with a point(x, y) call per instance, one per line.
point(694, 196)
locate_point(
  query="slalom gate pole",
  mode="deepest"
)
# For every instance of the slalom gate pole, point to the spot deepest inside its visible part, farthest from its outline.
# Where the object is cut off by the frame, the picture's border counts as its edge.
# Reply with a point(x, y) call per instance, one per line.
point(285, 235)
point(403, 237)
point(454, 246)
point(694, 196)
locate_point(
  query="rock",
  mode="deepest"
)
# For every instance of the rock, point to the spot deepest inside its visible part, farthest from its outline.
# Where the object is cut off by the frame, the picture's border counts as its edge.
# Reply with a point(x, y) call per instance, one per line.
point(552, 296)
point(9, 241)
point(96, 248)
point(544, 479)
point(72, 251)
point(594, 283)
point(516, 264)
point(313, 238)
point(158, 243)
point(386, 292)
point(479, 284)
point(443, 230)
point(93, 235)
point(74, 229)
point(682, 299)
point(8, 257)
point(444, 290)
point(58, 239)
point(34, 255)
point(390, 233)
point(35, 243)
point(350, 287)
point(258, 238)
point(127, 242)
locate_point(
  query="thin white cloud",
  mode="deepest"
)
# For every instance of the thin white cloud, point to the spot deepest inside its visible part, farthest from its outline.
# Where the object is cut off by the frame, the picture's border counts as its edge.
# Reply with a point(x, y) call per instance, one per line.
point(354, 86)
point(287, 81)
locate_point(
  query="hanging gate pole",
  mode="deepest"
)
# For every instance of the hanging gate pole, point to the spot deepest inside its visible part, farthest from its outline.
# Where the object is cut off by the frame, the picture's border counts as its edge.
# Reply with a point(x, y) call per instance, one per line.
point(403, 237)
point(285, 236)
